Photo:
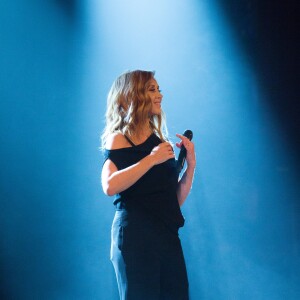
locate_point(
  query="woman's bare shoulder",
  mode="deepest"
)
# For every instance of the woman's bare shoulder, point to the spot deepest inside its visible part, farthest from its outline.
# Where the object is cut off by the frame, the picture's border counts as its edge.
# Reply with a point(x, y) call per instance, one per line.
point(116, 141)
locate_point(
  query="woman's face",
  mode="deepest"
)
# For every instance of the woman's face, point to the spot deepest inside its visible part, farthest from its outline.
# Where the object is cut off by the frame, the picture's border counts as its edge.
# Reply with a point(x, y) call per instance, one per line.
point(153, 92)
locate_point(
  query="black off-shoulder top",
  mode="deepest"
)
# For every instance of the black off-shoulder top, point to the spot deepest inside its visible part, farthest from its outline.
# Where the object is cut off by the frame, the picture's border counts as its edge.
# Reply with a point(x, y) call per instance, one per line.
point(155, 192)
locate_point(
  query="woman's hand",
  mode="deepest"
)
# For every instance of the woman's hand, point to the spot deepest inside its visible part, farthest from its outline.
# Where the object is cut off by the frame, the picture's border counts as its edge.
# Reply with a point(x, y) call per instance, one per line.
point(190, 150)
point(162, 153)
point(185, 182)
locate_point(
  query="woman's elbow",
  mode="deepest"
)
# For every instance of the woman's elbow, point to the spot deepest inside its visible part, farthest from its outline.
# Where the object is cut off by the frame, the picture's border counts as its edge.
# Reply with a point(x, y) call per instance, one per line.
point(108, 189)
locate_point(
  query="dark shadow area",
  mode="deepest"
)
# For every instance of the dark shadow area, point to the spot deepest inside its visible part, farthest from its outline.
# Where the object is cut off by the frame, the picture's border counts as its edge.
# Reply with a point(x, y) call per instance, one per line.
point(268, 31)
point(69, 6)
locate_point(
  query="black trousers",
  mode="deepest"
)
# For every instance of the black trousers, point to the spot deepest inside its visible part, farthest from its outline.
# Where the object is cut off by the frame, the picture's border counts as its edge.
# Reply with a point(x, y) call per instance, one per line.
point(148, 259)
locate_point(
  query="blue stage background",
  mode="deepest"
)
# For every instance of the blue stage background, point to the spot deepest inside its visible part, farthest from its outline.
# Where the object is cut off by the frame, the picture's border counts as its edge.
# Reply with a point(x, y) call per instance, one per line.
point(228, 72)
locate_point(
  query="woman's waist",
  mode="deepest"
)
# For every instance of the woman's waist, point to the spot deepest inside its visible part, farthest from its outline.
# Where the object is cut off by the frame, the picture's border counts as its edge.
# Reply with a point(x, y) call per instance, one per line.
point(137, 219)
point(147, 194)
point(165, 211)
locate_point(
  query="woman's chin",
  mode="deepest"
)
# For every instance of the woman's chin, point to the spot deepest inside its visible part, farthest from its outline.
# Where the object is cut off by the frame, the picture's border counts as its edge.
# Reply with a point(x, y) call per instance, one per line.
point(156, 112)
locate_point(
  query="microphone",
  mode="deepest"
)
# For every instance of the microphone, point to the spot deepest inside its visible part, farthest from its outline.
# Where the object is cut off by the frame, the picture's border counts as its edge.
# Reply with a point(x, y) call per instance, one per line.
point(182, 154)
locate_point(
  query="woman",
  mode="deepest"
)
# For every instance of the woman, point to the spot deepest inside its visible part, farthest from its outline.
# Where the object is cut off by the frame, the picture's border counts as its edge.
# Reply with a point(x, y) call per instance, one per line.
point(140, 170)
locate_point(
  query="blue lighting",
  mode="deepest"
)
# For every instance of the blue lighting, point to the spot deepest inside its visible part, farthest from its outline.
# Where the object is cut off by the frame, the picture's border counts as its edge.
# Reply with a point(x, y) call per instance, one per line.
point(58, 60)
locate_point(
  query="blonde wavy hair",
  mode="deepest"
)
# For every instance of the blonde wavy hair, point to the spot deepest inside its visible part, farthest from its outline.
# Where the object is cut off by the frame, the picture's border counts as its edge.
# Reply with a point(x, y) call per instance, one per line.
point(129, 106)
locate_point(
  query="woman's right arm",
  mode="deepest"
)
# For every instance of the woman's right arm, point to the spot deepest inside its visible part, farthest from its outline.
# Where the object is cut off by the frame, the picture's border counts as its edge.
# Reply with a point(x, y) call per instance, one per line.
point(115, 181)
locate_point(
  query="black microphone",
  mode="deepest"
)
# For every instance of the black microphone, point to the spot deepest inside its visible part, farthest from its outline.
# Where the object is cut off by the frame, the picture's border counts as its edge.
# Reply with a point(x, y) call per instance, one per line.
point(182, 154)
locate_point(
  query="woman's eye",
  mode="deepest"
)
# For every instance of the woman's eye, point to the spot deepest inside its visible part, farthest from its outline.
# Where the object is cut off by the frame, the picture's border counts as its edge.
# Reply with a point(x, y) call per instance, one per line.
point(153, 90)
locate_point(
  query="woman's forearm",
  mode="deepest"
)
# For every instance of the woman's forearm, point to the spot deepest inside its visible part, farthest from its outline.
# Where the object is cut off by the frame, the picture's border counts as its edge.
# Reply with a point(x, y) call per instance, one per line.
point(115, 181)
point(121, 180)
point(185, 184)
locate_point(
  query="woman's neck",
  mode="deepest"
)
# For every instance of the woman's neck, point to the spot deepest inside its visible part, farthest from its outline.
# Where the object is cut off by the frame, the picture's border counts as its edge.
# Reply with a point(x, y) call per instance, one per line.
point(143, 132)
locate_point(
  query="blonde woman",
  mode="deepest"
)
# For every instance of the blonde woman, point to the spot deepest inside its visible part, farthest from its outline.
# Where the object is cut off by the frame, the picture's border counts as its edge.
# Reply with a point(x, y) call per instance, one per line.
point(140, 171)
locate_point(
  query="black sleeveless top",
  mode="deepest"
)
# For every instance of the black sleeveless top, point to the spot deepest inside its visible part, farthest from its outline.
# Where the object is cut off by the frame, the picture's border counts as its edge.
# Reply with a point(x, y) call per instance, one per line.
point(155, 192)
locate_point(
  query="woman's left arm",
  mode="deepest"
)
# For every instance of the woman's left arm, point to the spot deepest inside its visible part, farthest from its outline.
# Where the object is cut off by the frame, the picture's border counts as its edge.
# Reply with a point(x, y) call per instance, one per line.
point(185, 183)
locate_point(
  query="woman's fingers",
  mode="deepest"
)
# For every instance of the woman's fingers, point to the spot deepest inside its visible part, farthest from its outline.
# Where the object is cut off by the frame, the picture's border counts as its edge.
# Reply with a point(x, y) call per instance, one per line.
point(189, 146)
point(168, 146)
point(163, 152)
point(184, 140)
point(178, 144)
